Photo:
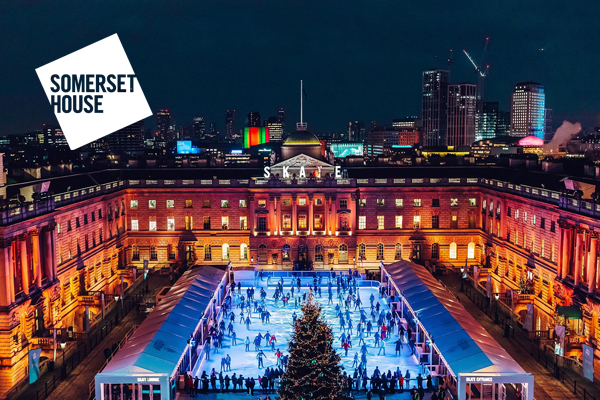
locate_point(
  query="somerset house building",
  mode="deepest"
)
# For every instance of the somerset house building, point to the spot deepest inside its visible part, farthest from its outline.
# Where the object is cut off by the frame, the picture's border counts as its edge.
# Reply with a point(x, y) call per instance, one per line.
point(67, 254)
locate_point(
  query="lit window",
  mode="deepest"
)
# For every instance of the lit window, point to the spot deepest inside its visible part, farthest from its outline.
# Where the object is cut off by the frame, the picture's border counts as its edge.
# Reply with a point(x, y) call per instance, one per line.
point(151, 203)
point(362, 251)
point(435, 251)
point(381, 222)
point(243, 251)
point(170, 203)
point(533, 219)
point(398, 221)
point(58, 228)
point(243, 204)
point(207, 252)
point(188, 204)
point(524, 216)
point(189, 223)
point(472, 202)
point(380, 202)
point(133, 204)
point(302, 222)
point(471, 251)
point(287, 202)
point(134, 225)
point(243, 223)
point(417, 202)
point(453, 202)
point(362, 222)
point(399, 202)
point(152, 224)
point(319, 252)
point(170, 224)
point(262, 223)
point(398, 252)
point(302, 201)
point(224, 203)
point(318, 202)
point(206, 203)
point(318, 221)
point(287, 221)
point(225, 223)
point(206, 222)
point(225, 251)
point(380, 251)
point(416, 222)
point(454, 222)
point(262, 203)
point(453, 255)
point(362, 202)
point(516, 214)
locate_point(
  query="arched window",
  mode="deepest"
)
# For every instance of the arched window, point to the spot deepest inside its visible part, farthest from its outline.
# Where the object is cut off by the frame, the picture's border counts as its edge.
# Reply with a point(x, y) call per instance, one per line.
point(243, 251)
point(343, 253)
point(319, 253)
point(398, 255)
point(225, 251)
point(262, 254)
point(452, 251)
point(362, 251)
point(285, 252)
point(207, 252)
point(380, 251)
point(435, 251)
point(471, 250)
point(135, 253)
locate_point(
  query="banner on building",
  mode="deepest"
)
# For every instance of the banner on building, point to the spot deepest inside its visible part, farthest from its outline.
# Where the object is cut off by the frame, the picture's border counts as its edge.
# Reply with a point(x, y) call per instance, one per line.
point(34, 365)
point(559, 347)
point(588, 362)
point(528, 322)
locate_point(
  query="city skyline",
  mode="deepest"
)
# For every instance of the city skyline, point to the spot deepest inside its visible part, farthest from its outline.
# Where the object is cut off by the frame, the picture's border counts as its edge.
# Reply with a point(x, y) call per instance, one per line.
point(203, 73)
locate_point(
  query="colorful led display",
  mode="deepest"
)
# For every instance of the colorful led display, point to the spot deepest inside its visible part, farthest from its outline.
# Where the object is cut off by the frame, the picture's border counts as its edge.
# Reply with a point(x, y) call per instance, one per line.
point(254, 136)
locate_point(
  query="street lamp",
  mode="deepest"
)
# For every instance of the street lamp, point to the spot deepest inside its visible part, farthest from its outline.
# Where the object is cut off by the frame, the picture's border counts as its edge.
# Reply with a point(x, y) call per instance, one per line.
point(462, 279)
point(496, 296)
point(117, 316)
point(63, 367)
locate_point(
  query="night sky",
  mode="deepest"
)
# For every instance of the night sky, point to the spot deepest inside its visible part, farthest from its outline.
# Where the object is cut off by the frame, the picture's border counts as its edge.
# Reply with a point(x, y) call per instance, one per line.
point(359, 60)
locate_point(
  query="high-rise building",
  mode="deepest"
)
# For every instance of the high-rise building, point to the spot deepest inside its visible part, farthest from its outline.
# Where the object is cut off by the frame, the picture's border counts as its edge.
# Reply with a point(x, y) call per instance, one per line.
point(549, 129)
point(528, 108)
point(163, 123)
point(229, 124)
point(54, 137)
point(253, 119)
point(409, 122)
point(434, 107)
point(281, 119)
point(198, 127)
point(491, 122)
point(128, 140)
point(462, 106)
point(275, 129)
point(356, 131)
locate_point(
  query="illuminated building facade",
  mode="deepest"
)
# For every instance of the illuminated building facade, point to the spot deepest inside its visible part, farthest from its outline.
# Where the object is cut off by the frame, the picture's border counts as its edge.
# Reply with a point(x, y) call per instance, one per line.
point(462, 105)
point(528, 112)
point(64, 257)
point(163, 123)
point(434, 107)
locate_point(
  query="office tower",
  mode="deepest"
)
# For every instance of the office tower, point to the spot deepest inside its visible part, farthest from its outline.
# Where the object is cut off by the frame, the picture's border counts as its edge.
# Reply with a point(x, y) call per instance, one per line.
point(53, 137)
point(462, 106)
point(253, 119)
point(229, 124)
point(548, 128)
point(163, 123)
point(128, 140)
point(275, 129)
point(281, 120)
point(356, 131)
point(491, 122)
point(527, 110)
point(198, 127)
point(434, 107)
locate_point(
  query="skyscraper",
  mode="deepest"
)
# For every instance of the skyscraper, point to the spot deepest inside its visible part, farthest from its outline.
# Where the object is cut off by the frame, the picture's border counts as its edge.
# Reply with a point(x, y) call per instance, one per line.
point(549, 129)
point(198, 127)
point(527, 112)
point(163, 123)
point(281, 120)
point(275, 129)
point(229, 124)
point(356, 131)
point(128, 140)
point(462, 106)
point(434, 107)
point(54, 137)
point(491, 122)
point(253, 119)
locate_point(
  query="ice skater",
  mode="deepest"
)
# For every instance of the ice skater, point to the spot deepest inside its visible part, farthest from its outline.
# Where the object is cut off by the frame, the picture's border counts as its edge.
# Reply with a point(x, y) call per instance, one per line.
point(260, 357)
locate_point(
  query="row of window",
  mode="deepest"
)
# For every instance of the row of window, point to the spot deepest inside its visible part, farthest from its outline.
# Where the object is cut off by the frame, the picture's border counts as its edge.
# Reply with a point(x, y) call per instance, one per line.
point(418, 202)
point(69, 227)
point(134, 204)
point(435, 222)
point(189, 223)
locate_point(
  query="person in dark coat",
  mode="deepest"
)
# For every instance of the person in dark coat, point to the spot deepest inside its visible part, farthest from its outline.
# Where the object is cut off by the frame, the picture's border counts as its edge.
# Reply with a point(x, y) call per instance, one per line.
point(227, 381)
point(196, 383)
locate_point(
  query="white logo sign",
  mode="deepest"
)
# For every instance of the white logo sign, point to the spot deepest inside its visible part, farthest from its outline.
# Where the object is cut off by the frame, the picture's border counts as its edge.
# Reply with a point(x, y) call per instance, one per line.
point(94, 92)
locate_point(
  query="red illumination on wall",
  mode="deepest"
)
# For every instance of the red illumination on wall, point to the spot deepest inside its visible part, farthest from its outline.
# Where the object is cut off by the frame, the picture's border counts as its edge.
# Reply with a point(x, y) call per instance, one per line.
point(531, 141)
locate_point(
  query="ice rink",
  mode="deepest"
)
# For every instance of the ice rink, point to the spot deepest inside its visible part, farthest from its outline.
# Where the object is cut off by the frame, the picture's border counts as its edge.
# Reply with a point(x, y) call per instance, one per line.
point(280, 325)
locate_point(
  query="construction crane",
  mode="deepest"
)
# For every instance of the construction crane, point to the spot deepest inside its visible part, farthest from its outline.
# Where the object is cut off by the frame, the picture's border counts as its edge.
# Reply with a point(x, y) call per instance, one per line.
point(481, 73)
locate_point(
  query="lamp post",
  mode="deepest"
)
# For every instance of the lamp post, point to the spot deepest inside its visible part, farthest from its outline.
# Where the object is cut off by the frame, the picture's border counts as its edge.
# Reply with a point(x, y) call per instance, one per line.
point(462, 279)
point(496, 296)
point(191, 343)
point(117, 309)
point(63, 367)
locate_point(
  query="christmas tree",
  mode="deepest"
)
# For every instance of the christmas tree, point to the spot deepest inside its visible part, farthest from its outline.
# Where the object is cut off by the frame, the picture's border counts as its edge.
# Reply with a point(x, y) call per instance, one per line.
point(313, 370)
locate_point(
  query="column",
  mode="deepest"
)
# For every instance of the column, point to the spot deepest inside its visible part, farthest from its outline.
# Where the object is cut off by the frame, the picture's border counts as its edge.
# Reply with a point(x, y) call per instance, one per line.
point(326, 216)
point(294, 214)
point(561, 243)
point(310, 213)
point(578, 256)
point(7, 289)
point(353, 209)
point(278, 214)
point(252, 216)
point(49, 253)
point(272, 227)
point(566, 252)
point(334, 217)
point(591, 261)
point(37, 259)
point(24, 263)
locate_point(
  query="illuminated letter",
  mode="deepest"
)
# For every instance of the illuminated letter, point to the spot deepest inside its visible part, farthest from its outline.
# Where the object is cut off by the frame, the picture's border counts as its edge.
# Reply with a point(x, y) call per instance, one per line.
point(267, 172)
point(319, 172)
point(286, 173)
point(338, 173)
point(302, 172)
